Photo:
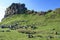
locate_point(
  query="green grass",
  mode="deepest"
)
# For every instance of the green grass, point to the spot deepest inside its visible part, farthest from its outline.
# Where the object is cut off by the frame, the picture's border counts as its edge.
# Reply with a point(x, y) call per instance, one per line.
point(44, 23)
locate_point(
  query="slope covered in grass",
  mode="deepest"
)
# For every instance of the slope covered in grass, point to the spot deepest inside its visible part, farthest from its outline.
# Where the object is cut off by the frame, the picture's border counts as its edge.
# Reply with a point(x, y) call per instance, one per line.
point(43, 21)
point(46, 25)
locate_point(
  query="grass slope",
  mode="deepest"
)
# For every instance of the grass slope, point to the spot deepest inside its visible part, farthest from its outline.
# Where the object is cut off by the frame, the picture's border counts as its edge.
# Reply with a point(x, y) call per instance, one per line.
point(44, 23)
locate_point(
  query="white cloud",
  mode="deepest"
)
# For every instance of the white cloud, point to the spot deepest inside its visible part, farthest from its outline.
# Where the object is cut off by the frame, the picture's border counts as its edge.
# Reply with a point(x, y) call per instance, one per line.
point(2, 12)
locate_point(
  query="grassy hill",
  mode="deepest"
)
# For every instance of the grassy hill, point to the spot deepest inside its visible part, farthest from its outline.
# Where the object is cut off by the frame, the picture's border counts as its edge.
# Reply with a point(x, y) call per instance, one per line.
point(47, 27)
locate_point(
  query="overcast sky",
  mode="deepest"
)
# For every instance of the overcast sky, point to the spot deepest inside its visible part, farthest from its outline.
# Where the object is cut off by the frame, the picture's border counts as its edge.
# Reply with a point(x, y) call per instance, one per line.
point(38, 5)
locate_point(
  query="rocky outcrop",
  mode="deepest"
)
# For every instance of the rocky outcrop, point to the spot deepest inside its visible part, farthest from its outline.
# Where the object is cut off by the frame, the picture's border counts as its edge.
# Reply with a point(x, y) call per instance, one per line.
point(15, 8)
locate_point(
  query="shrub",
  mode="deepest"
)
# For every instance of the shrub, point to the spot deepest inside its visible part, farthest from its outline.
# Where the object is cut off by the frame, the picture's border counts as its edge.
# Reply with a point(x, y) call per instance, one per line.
point(49, 11)
point(30, 36)
point(3, 26)
point(8, 31)
point(2, 31)
point(39, 36)
point(26, 31)
point(33, 27)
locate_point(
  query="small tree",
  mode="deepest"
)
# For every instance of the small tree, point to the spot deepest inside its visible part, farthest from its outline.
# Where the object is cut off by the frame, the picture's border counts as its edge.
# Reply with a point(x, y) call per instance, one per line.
point(32, 11)
point(49, 11)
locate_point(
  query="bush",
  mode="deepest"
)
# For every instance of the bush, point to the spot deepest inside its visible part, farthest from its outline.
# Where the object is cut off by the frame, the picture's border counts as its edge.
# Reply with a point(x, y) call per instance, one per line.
point(8, 31)
point(2, 31)
point(32, 11)
point(12, 27)
point(49, 36)
point(30, 36)
point(33, 27)
point(39, 36)
point(26, 31)
point(49, 11)
point(3, 26)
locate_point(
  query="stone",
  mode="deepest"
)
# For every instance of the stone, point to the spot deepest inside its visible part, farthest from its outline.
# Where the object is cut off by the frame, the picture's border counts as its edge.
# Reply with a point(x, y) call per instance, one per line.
point(15, 8)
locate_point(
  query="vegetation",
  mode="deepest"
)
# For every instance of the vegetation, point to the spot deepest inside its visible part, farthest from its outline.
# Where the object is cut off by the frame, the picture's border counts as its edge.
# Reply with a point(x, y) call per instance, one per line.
point(31, 26)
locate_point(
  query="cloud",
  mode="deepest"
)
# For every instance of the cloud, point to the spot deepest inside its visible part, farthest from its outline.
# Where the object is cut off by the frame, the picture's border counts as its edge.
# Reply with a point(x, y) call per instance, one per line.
point(2, 12)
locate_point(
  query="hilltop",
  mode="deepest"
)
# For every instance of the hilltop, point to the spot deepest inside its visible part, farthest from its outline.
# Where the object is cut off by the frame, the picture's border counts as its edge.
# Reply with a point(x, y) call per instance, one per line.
point(27, 24)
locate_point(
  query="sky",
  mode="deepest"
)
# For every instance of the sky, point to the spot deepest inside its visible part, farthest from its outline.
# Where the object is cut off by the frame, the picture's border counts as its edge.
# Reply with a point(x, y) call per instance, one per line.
point(37, 5)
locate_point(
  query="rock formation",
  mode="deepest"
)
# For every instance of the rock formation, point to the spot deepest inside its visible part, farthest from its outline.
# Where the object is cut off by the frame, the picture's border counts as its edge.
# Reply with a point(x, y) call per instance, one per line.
point(15, 8)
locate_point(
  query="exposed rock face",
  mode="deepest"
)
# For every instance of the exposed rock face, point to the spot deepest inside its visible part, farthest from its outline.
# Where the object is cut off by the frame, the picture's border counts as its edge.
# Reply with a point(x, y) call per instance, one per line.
point(15, 8)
